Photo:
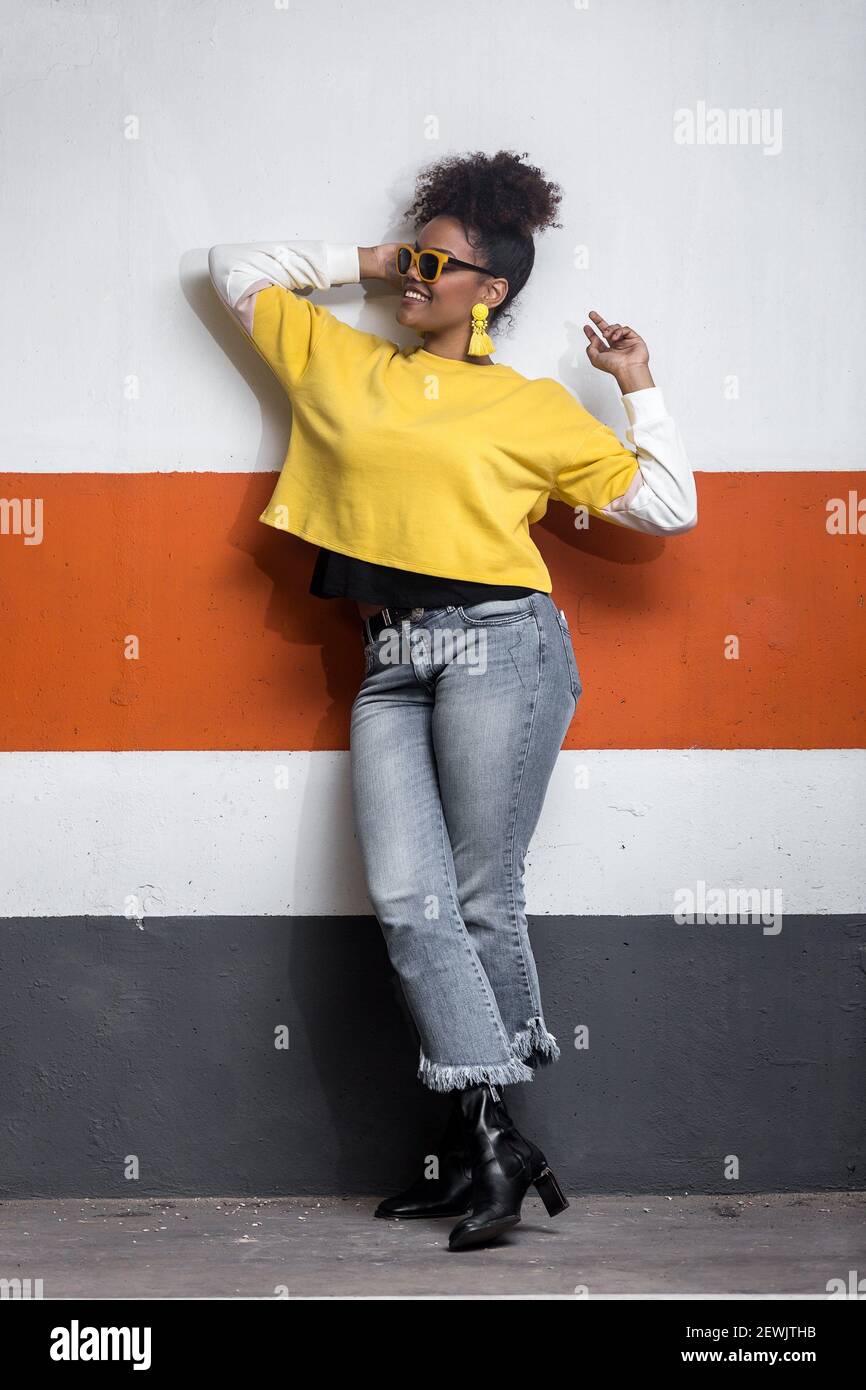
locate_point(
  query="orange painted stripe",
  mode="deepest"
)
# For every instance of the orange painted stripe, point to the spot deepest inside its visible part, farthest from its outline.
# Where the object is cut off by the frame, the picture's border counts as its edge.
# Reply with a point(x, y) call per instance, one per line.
point(235, 653)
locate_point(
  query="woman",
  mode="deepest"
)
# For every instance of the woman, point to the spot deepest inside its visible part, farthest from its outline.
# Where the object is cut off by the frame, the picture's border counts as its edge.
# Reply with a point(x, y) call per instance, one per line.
point(418, 474)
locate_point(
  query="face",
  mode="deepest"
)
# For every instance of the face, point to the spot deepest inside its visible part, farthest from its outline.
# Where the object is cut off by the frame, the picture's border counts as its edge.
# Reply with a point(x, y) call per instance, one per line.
point(447, 303)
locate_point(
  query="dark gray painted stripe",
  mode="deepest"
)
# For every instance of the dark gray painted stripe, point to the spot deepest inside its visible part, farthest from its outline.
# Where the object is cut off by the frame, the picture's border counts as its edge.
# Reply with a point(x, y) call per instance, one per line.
point(705, 1041)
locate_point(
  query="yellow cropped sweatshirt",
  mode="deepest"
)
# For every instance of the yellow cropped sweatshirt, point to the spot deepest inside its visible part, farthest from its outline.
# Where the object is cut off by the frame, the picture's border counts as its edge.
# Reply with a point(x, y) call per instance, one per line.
point(426, 463)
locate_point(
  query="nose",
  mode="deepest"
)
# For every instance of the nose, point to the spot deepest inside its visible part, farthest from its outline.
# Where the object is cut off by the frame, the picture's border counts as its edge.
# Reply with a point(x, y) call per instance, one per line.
point(414, 279)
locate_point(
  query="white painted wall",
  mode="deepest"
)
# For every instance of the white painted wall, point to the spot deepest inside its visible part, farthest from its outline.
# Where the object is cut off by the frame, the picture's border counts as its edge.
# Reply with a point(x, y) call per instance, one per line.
point(256, 122)
point(308, 119)
point(188, 834)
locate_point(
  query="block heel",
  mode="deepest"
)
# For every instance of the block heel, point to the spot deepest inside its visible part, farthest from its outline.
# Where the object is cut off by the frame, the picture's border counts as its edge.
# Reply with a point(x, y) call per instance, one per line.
point(550, 1192)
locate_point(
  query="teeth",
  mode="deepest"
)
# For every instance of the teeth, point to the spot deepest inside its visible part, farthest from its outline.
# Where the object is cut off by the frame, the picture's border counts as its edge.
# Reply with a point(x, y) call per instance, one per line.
point(411, 294)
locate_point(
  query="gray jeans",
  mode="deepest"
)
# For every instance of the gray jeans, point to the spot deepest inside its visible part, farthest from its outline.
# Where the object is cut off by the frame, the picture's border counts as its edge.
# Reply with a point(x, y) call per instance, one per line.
point(455, 732)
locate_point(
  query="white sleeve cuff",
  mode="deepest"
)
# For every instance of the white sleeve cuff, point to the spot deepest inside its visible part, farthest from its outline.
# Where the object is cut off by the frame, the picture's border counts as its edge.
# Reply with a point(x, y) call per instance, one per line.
point(344, 266)
point(644, 407)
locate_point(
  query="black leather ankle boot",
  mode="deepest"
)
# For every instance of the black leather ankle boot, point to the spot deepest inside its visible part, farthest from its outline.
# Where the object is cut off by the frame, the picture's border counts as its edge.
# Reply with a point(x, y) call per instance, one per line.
point(503, 1165)
point(447, 1195)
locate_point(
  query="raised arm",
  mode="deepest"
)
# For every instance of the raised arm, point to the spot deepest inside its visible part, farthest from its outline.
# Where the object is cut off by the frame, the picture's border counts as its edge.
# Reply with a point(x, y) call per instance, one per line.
point(653, 489)
point(238, 273)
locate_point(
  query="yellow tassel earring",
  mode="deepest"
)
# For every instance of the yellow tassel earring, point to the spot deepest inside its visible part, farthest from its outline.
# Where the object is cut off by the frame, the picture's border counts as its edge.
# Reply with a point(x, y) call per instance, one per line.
point(480, 344)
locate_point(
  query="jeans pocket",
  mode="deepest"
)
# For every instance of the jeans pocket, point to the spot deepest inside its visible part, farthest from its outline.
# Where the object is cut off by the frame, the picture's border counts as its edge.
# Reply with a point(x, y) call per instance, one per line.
point(492, 611)
point(573, 673)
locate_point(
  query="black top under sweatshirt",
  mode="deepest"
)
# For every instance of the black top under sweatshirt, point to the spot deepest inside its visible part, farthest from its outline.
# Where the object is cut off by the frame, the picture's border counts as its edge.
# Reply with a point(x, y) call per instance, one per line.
point(342, 576)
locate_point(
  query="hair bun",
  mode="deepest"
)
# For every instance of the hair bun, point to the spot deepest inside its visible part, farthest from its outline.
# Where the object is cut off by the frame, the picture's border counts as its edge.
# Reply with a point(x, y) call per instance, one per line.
point(494, 193)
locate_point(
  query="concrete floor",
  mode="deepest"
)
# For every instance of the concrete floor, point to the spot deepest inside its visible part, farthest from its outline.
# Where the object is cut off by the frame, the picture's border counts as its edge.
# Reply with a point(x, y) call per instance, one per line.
point(766, 1245)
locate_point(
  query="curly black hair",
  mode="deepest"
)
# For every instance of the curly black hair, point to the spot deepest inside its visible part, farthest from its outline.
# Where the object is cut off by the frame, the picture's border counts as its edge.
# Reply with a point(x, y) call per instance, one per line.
point(499, 200)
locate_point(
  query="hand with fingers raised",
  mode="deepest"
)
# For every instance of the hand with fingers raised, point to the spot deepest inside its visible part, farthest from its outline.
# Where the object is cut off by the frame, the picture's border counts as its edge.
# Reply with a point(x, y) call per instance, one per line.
point(620, 351)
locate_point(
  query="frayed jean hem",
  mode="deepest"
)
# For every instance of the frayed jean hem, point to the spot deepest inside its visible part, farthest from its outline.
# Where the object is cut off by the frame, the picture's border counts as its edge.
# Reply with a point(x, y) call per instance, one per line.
point(532, 1044)
point(441, 1077)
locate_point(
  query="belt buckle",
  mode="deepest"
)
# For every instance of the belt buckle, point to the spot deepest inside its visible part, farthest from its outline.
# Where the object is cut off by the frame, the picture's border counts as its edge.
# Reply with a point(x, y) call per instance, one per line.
point(386, 616)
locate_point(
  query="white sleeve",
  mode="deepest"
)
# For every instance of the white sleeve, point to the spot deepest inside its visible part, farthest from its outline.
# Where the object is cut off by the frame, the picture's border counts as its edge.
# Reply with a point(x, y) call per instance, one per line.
point(239, 272)
point(662, 498)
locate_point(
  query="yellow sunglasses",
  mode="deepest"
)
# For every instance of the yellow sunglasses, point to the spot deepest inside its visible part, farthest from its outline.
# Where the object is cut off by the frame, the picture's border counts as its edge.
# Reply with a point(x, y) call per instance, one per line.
point(430, 264)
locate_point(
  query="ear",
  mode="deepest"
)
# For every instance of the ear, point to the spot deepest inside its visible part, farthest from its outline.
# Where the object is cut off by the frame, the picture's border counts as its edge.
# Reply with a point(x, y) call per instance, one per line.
point(494, 292)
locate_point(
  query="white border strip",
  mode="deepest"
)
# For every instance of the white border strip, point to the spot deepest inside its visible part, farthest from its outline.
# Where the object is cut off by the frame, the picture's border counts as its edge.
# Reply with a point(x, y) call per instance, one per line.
point(251, 833)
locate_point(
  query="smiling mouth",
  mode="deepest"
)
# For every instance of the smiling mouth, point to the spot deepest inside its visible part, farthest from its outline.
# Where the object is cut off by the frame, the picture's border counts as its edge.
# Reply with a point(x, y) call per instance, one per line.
point(415, 296)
